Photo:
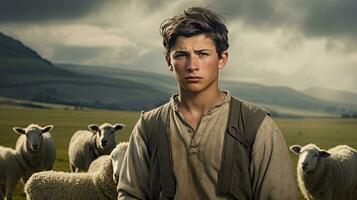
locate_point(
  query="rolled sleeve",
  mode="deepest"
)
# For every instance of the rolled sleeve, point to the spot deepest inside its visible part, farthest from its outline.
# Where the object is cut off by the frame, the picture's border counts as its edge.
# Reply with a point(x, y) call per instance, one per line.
point(134, 173)
point(271, 167)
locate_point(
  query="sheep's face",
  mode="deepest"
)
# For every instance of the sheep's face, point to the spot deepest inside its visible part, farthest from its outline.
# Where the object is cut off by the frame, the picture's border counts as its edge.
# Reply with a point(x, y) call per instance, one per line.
point(309, 157)
point(105, 136)
point(116, 157)
point(33, 134)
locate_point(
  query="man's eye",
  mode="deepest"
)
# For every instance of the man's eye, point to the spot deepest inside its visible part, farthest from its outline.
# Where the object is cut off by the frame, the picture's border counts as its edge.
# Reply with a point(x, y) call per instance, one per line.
point(203, 54)
point(179, 55)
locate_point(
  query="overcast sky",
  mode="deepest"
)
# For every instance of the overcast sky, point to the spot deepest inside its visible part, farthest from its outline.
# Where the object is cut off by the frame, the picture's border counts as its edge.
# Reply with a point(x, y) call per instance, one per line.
point(294, 43)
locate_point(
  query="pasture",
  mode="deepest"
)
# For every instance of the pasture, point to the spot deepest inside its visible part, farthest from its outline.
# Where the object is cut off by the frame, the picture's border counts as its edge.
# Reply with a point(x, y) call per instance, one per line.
point(325, 133)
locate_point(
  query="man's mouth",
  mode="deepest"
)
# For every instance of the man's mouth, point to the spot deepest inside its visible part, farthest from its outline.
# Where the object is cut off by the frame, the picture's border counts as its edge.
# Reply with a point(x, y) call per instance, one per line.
point(193, 78)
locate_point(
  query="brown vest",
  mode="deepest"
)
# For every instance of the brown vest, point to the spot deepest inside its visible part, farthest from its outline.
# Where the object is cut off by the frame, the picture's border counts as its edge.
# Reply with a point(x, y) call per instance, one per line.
point(233, 179)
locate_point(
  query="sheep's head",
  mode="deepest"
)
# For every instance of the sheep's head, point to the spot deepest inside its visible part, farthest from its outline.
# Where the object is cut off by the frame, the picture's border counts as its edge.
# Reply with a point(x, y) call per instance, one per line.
point(33, 134)
point(116, 157)
point(309, 156)
point(105, 136)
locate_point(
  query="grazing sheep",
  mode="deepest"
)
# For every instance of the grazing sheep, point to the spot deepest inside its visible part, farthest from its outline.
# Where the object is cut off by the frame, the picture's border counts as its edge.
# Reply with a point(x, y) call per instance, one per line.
point(117, 154)
point(10, 171)
point(117, 158)
point(327, 175)
point(86, 146)
point(34, 152)
point(95, 165)
point(63, 185)
point(37, 148)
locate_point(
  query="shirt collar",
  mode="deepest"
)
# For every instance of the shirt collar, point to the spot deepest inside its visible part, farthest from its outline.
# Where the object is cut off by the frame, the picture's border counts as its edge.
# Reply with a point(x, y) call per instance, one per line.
point(174, 102)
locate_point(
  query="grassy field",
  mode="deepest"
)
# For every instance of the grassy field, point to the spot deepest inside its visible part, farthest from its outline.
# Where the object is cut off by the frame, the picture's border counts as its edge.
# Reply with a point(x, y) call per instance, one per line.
point(324, 132)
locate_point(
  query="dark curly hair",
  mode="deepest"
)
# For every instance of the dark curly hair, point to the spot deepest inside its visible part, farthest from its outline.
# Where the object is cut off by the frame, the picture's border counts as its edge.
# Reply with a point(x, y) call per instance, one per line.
point(195, 21)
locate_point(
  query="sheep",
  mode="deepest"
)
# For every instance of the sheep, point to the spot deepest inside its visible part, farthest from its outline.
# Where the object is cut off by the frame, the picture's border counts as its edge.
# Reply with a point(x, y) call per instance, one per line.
point(117, 158)
point(28, 157)
point(95, 165)
point(10, 171)
point(37, 148)
point(85, 146)
point(91, 185)
point(328, 174)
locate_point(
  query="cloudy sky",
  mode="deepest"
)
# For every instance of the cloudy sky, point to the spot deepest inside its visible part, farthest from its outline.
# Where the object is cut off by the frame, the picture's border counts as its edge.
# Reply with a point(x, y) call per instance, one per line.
point(294, 43)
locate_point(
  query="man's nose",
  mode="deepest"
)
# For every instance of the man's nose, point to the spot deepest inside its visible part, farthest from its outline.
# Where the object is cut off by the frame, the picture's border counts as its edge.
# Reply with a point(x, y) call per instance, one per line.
point(192, 63)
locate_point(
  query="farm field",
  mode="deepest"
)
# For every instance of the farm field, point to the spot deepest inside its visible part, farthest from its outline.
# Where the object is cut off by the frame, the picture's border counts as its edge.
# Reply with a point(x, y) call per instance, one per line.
point(325, 133)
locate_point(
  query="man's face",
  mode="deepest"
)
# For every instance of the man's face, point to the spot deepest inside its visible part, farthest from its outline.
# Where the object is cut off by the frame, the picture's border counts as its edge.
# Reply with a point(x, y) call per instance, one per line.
point(195, 63)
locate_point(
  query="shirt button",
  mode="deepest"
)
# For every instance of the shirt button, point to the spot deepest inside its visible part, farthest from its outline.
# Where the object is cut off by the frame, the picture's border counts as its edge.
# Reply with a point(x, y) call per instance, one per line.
point(193, 150)
point(189, 130)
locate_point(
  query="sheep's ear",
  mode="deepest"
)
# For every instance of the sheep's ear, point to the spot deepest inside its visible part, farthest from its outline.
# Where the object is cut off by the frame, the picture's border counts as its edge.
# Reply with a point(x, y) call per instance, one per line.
point(47, 128)
point(93, 127)
point(324, 154)
point(19, 130)
point(295, 148)
point(118, 126)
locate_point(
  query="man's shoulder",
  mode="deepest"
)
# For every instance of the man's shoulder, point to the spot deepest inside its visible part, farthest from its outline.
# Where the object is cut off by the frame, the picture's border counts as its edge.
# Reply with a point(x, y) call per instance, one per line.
point(155, 113)
point(250, 106)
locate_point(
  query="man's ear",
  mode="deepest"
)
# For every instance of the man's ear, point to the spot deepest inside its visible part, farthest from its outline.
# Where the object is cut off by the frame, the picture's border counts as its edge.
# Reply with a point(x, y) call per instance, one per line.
point(223, 59)
point(168, 61)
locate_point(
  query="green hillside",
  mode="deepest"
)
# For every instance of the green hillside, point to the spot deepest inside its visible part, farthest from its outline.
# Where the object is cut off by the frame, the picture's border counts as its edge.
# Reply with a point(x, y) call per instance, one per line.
point(161, 82)
point(25, 75)
point(285, 97)
point(332, 95)
point(279, 100)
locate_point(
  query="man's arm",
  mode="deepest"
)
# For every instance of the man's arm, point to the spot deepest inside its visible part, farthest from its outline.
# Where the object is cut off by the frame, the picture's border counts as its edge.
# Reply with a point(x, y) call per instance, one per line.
point(271, 167)
point(134, 173)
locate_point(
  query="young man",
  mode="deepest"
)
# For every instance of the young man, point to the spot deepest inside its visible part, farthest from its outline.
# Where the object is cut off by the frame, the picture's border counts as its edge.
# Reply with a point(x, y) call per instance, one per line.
point(204, 144)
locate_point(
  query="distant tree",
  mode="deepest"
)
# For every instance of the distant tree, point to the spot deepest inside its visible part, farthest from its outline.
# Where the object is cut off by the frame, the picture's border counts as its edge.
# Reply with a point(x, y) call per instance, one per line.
point(346, 115)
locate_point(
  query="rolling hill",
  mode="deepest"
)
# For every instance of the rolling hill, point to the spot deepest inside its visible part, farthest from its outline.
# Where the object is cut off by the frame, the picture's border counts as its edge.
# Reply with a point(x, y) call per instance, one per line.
point(280, 100)
point(332, 95)
point(26, 75)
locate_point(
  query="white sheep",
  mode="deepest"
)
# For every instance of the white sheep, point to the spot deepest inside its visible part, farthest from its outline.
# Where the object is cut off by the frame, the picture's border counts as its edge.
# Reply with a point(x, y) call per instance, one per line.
point(327, 175)
point(64, 185)
point(26, 159)
point(85, 146)
point(95, 165)
point(37, 148)
point(10, 171)
point(117, 160)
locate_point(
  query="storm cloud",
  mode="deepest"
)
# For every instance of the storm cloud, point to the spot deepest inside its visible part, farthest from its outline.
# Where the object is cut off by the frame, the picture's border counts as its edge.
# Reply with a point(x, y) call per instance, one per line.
point(275, 42)
point(20, 11)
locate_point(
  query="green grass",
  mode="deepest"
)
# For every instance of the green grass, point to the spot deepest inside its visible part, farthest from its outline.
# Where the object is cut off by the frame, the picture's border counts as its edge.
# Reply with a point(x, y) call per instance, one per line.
point(66, 122)
point(325, 133)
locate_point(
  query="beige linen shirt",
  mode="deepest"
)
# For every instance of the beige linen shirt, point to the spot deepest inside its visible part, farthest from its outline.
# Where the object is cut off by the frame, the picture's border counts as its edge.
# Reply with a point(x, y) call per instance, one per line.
point(196, 156)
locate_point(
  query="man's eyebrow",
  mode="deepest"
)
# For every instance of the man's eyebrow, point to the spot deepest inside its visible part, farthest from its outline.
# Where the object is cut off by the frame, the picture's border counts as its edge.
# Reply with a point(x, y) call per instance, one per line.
point(196, 51)
point(180, 52)
point(201, 50)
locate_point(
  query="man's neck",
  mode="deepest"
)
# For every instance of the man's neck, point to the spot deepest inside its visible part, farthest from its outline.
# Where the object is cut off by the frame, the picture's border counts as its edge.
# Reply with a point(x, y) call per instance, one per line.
point(200, 103)
point(194, 105)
